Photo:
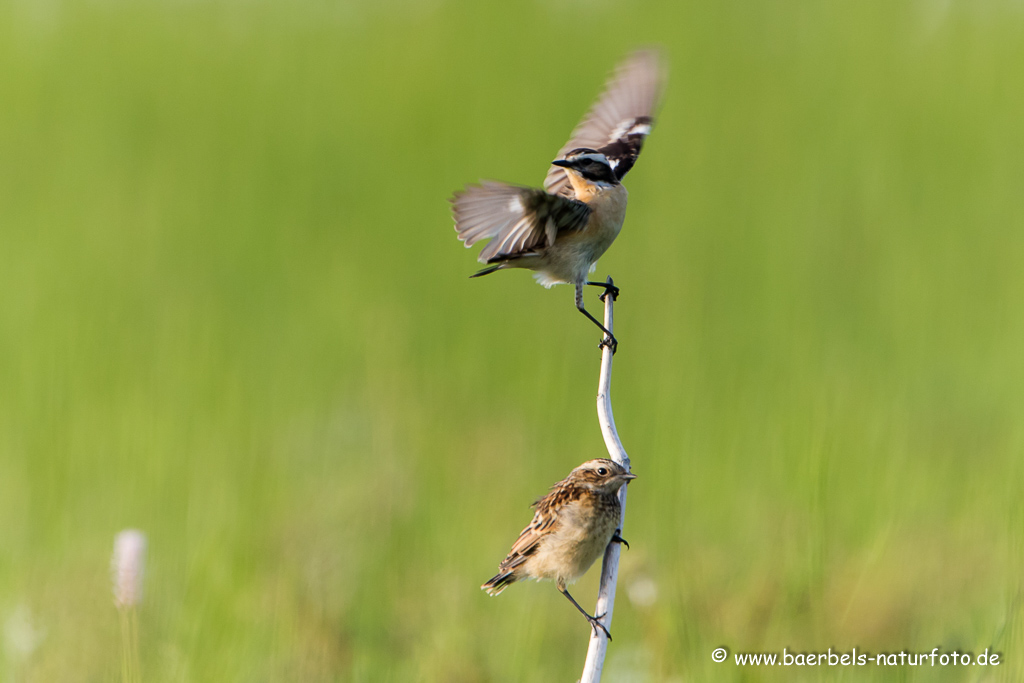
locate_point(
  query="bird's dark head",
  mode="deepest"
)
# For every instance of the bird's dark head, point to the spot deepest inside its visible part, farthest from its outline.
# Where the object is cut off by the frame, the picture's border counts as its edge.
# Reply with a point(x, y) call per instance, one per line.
point(602, 475)
point(588, 164)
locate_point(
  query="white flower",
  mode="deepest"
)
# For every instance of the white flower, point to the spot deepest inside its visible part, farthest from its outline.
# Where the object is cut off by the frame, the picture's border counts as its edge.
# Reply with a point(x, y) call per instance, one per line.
point(127, 566)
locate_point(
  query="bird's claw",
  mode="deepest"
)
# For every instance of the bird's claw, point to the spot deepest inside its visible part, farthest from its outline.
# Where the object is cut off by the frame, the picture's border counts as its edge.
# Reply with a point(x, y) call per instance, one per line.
point(619, 539)
point(610, 289)
point(596, 624)
point(611, 342)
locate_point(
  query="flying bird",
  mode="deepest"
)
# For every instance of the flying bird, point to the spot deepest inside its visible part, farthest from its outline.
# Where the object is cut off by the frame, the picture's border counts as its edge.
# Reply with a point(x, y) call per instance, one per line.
point(571, 527)
point(561, 231)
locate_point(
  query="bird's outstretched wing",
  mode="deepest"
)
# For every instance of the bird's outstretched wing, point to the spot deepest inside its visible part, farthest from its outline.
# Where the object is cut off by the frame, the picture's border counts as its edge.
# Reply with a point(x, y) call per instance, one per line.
point(517, 219)
point(619, 121)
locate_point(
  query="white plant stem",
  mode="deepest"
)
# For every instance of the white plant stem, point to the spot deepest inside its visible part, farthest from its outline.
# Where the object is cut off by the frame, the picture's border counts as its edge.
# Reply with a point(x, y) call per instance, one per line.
point(610, 565)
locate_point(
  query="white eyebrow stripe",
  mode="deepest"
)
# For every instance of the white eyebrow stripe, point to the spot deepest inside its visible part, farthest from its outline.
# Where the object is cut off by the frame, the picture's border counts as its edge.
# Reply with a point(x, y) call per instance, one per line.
point(598, 157)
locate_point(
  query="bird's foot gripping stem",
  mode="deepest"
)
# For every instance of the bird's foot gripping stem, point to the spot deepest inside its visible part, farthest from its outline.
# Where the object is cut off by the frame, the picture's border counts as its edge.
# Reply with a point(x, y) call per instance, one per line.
point(609, 288)
point(609, 339)
point(594, 622)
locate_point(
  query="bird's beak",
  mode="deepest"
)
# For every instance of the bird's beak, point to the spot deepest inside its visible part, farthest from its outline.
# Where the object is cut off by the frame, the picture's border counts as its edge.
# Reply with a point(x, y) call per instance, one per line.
point(562, 162)
point(628, 476)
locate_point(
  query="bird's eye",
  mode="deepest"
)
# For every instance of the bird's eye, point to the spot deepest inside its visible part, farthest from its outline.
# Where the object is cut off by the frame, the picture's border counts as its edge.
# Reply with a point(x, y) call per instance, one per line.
point(602, 471)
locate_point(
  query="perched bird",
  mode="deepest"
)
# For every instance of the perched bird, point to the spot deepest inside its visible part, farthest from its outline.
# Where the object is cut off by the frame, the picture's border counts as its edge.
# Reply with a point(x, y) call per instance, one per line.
point(571, 528)
point(562, 230)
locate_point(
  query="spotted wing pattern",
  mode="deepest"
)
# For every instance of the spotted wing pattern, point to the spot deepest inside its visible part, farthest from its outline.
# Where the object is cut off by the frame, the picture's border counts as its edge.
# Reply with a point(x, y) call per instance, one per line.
point(620, 121)
point(516, 219)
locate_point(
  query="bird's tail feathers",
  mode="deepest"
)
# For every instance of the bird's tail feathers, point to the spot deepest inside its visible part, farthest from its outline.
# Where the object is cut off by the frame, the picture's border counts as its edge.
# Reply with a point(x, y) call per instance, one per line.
point(499, 583)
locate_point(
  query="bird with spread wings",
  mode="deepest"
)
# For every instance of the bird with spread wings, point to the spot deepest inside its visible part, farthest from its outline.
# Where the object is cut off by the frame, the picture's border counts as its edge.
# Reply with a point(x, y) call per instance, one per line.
point(561, 231)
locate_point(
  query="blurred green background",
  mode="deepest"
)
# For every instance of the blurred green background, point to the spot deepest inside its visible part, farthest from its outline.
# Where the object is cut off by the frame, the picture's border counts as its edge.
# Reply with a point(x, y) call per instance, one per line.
point(234, 314)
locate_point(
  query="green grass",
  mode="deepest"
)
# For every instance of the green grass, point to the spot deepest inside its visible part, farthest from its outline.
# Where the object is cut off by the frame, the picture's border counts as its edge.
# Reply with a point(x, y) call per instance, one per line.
point(234, 314)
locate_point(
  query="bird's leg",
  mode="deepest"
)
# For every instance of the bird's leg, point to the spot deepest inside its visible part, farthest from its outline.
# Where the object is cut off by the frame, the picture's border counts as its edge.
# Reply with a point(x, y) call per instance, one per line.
point(594, 623)
point(609, 288)
point(616, 538)
point(609, 339)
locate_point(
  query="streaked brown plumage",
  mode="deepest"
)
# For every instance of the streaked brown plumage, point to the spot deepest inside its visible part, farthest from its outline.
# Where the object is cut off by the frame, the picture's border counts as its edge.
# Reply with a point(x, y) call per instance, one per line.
point(571, 527)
